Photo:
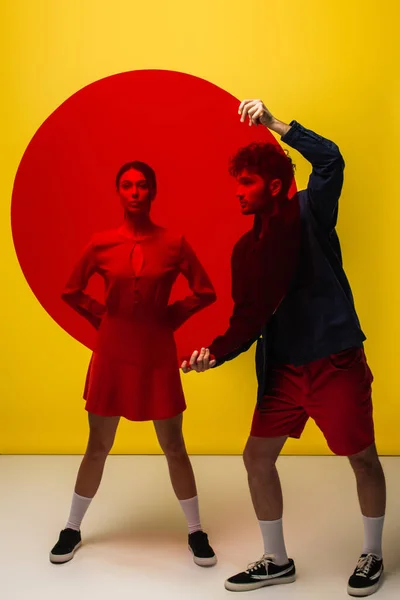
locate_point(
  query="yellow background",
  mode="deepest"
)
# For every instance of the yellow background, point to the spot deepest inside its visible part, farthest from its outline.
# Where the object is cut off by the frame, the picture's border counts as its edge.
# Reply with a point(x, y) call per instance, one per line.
point(331, 65)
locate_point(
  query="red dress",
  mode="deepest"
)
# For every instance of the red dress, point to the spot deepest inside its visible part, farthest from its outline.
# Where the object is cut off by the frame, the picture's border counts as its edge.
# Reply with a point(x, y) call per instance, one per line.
point(134, 370)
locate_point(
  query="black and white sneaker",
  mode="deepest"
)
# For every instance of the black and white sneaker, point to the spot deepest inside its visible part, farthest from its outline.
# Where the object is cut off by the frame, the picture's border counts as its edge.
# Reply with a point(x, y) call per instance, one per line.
point(68, 543)
point(262, 573)
point(367, 576)
point(203, 554)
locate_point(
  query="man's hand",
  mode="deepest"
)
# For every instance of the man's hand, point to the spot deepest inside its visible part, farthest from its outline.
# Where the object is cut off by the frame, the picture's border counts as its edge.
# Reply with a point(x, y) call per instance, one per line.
point(259, 113)
point(199, 362)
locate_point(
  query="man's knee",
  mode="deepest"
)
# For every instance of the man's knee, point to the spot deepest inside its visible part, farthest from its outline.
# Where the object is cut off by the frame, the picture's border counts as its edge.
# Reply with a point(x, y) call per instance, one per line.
point(366, 460)
point(261, 454)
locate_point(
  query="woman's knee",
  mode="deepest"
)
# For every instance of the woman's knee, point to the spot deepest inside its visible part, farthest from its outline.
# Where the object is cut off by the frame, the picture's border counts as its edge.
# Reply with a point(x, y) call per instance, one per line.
point(174, 448)
point(170, 437)
point(98, 449)
point(101, 436)
point(99, 445)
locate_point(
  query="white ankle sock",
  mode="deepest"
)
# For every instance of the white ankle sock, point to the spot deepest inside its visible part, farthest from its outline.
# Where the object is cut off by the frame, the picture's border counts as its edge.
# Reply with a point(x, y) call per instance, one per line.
point(274, 543)
point(373, 529)
point(79, 506)
point(191, 509)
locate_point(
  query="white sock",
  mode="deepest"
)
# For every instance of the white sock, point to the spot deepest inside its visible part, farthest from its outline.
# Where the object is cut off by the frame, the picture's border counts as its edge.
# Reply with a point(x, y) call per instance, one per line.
point(373, 529)
point(191, 509)
point(274, 543)
point(79, 506)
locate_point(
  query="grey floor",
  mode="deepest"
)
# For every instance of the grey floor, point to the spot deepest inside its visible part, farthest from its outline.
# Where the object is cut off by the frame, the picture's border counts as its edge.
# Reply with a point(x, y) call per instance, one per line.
point(135, 536)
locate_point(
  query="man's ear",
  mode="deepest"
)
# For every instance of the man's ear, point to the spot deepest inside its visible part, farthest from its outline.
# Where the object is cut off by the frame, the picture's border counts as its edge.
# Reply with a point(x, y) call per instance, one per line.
point(275, 187)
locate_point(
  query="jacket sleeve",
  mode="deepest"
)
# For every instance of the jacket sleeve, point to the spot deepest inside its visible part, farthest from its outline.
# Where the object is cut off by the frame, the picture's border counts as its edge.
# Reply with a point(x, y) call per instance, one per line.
point(203, 293)
point(260, 284)
point(326, 179)
point(74, 291)
point(245, 323)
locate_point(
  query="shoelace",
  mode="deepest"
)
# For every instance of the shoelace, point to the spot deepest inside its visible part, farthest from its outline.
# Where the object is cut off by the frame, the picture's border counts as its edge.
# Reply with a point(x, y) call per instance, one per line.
point(364, 564)
point(264, 561)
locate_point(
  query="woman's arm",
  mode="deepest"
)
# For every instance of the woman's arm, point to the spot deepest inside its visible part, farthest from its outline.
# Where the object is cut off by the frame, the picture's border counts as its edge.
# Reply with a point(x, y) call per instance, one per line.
point(73, 293)
point(203, 293)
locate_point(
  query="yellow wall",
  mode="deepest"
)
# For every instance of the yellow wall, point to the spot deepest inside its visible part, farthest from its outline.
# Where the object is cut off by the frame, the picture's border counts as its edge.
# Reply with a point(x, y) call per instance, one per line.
point(330, 65)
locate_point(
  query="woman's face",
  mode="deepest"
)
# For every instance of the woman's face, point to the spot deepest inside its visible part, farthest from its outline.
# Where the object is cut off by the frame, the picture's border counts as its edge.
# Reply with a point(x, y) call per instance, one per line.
point(134, 193)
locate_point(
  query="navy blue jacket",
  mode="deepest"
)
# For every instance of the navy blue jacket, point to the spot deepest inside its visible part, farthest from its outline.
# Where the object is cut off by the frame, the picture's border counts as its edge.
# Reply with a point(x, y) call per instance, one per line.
point(317, 316)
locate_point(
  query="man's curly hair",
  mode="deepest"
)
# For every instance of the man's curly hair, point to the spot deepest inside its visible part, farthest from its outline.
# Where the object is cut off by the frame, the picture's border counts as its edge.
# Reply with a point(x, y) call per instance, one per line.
point(267, 160)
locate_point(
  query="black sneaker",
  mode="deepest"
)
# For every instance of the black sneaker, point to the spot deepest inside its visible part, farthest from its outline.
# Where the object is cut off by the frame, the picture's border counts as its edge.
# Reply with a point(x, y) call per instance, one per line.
point(203, 554)
point(367, 576)
point(262, 573)
point(68, 542)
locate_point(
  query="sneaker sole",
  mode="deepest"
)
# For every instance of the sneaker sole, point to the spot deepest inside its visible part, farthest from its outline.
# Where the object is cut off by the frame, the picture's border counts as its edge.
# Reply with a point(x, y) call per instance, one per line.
point(59, 559)
point(362, 593)
point(247, 587)
point(203, 562)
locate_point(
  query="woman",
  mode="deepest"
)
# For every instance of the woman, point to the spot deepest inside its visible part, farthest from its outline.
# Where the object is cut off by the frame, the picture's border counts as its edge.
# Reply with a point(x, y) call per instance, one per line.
point(134, 371)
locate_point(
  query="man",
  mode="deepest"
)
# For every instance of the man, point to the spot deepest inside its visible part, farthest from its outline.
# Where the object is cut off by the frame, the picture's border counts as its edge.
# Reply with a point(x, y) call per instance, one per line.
point(310, 360)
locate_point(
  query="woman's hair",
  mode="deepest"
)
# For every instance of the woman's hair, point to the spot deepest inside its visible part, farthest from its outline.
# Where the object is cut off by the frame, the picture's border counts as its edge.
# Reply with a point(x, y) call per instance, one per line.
point(267, 160)
point(147, 172)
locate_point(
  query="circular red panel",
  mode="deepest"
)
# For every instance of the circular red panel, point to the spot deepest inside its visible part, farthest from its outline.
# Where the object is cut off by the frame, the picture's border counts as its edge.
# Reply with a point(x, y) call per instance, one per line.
point(186, 128)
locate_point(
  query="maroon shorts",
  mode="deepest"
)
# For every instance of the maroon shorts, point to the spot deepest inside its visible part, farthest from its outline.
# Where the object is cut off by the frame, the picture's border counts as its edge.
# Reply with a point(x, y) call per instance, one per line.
point(334, 391)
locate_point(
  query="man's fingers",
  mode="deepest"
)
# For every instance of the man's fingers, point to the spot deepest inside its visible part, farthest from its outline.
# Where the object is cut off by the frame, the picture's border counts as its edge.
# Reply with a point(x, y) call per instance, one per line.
point(185, 367)
point(255, 112)
point(200, 360)
point(193, 361)
point(246, 106)
point(259, 113)
point(207, 359)
point(251, 112)
point(243, 102)
point(193, 358)
point(244, 112)
point(245, 109)
point(246, 102)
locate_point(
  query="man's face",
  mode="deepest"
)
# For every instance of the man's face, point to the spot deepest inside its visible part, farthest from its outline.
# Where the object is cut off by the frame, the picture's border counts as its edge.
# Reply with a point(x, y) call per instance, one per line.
point(251, 192)
point(254, 195)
